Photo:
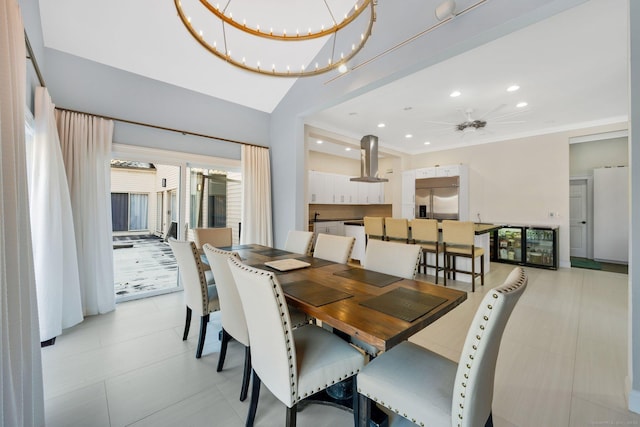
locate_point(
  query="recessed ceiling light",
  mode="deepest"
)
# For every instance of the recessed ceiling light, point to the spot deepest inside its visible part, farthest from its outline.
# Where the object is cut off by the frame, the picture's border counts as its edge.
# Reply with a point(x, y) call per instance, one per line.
point(319, 141)
point(347, 149)
point(455, 93)
point(381, 125)
point(408, 135)
point(342, 69)
point(521, 104)
point(513, 88)
point(427, 143)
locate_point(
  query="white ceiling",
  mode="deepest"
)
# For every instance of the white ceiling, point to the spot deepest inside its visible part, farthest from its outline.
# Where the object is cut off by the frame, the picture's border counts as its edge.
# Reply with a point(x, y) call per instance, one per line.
point(571, 69)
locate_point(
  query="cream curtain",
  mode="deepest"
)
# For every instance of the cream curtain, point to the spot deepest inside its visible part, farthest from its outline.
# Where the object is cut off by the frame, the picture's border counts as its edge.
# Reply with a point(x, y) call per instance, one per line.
point(54, 246)
point(86, 149)
point(256, 196)
point(20, 363)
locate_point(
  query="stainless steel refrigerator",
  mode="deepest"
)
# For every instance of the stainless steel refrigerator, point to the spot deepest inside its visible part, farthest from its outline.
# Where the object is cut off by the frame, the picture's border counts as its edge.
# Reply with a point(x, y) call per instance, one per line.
point(437, 198)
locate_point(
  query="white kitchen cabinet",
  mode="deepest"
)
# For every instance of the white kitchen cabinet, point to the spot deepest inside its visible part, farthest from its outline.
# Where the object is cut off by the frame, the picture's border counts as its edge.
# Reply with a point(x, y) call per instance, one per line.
point(425, 173)
point(408, 188)
point(329, 227)
point(453, 170)
point(370, 193)
point(329, 188)
point(408, 210)
point(321, 187)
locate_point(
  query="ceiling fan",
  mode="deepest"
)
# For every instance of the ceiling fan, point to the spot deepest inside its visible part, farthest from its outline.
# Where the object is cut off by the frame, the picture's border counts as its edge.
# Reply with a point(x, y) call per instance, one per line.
point(474, 124)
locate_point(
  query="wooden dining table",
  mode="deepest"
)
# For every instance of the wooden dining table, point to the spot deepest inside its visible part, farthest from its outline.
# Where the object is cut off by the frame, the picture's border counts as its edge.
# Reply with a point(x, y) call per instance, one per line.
point(377, 309)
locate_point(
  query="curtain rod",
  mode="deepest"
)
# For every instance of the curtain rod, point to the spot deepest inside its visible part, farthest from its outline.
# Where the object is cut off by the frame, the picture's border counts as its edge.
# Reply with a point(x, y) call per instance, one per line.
point(183, 132)
point(33, 60)
point(32, 57)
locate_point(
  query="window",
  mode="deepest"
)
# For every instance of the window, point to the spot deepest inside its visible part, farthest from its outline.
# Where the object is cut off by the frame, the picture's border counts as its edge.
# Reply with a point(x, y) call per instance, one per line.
point(129, 212)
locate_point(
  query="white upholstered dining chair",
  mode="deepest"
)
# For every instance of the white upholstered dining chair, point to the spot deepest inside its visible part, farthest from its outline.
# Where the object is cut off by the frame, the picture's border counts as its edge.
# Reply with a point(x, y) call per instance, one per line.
point(234, 323)
point(334, 248)
point(293, 364)
point(431, 390)
point(299, 242)
point(219, 237)
point(396, 259)
point(200, 294)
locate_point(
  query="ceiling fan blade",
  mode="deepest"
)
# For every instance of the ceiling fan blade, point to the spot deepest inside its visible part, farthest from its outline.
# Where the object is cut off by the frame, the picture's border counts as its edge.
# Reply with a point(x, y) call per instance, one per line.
point(493, 110)
point(511, 114)
point(439, 123)
point(511, 122)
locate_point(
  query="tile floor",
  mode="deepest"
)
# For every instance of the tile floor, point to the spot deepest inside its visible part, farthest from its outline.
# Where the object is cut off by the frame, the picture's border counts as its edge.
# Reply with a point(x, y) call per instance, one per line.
point(562, 362)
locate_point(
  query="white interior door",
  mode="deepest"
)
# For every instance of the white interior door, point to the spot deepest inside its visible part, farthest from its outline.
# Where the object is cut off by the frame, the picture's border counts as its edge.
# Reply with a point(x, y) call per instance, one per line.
point(578, 218)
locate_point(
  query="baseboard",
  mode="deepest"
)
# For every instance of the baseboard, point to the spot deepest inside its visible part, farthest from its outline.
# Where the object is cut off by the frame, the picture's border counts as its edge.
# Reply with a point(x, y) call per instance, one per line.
point(634, 401)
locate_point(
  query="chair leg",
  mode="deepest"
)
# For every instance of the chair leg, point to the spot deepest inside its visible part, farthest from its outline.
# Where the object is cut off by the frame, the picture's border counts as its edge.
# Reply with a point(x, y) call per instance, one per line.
point(223, 350)
point(473, 272)
point(445, 258)
point(203, 333)
point(489, 422)
point(364, 409)
point(291, 416)
point(246, 376)
point(356, 400)
point(255, 394)
point(187, 324)
point(437, 266)
point(482, 270)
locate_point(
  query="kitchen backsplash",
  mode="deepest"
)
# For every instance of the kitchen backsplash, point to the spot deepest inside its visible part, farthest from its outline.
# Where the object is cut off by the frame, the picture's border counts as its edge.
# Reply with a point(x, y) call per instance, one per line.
point(339, 212)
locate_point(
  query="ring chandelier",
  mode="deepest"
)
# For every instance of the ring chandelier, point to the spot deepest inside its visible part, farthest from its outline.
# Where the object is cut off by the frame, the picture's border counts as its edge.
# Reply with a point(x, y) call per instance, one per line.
point(232, 40)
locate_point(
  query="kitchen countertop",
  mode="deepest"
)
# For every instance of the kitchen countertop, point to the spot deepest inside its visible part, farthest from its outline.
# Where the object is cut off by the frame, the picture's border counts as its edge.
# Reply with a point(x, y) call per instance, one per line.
point(481, 228)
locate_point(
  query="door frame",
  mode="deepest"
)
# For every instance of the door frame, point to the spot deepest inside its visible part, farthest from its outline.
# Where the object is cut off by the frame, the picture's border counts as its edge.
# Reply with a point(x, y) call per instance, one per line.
point(589, 181)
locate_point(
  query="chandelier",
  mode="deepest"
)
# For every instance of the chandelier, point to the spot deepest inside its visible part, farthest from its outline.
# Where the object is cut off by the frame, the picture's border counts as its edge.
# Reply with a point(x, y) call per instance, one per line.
point(280, 37)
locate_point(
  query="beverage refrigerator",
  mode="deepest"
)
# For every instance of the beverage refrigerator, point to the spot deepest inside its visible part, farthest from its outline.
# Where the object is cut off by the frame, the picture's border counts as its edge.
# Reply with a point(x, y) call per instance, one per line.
point(542, 247)
point(526, 245)
point(509, 244)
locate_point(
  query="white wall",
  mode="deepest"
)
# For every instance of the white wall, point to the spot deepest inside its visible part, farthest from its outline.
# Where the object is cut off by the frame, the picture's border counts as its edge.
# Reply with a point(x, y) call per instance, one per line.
point(518, 182)
point(587, 156)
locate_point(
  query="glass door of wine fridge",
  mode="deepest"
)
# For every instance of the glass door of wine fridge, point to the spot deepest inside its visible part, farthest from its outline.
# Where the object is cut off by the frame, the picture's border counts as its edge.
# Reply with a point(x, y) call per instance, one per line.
point(542, 247)
point(509, 245)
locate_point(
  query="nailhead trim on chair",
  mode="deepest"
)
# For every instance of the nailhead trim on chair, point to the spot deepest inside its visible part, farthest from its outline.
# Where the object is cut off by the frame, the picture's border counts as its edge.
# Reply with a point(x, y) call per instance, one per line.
point(203, 281)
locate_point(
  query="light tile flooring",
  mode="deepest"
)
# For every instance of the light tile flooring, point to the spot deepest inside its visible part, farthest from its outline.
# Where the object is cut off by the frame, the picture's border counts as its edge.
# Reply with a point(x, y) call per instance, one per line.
point(563, 362)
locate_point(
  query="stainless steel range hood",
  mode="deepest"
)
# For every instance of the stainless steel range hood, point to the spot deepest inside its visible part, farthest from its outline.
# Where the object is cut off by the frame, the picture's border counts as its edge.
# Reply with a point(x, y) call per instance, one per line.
point(369, 160)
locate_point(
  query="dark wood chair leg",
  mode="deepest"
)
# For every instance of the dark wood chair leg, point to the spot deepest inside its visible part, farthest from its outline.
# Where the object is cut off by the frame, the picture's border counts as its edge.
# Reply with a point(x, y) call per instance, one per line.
point(364, 409)
point(489, 422)
point(437, 266)
point(356, 401)
point(473, 272)
point(246, 376)
point(223, 350)
point(187, 324)
point(482, 270)
point(255, 394)
point(292, 416)
point(203, 333)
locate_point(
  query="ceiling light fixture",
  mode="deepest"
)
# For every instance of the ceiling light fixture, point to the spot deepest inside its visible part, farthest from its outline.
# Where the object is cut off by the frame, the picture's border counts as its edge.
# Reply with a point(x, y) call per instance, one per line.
point(427, 143)
point(521, 104)
point(381, 125)
point(513, 88)
point(455, 94)
point(408, 136)
point(347, 149)
point(215, 28)
point(446, 9)
point(319, 141)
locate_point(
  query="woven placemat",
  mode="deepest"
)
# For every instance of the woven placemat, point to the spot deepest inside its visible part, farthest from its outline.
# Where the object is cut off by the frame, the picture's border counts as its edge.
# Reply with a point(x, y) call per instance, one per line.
point(369, 277)
point(405, 304)
point(271, 252)
point(314, 293)
point(315, 262)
